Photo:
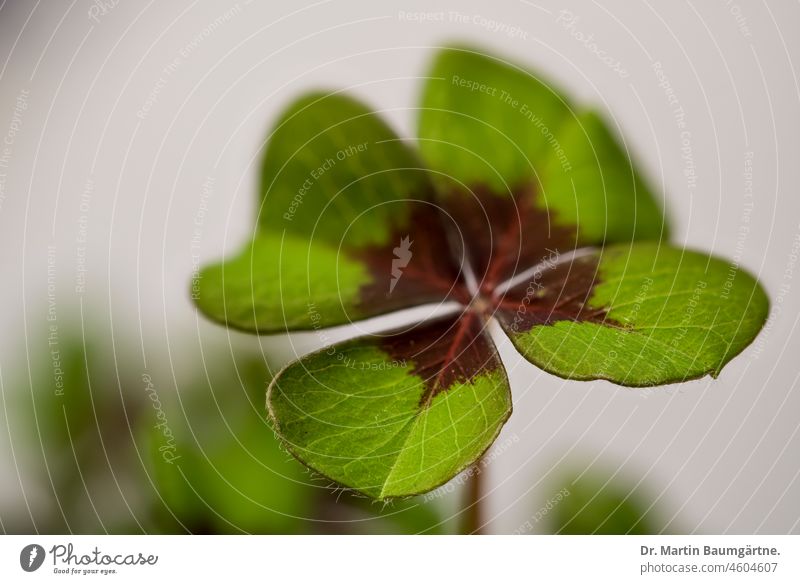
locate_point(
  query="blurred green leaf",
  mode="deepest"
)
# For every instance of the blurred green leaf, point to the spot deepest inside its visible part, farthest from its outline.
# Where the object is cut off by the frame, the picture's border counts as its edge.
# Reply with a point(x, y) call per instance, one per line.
point(74, 419)
point(593, 503)
point(216, 463)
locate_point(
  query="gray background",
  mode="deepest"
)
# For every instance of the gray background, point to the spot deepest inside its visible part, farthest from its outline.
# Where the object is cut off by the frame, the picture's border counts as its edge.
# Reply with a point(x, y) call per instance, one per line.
point(714, 456)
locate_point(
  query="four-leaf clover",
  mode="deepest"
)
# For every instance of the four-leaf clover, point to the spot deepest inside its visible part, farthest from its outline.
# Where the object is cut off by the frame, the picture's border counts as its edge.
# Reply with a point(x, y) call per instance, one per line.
point(516, 206)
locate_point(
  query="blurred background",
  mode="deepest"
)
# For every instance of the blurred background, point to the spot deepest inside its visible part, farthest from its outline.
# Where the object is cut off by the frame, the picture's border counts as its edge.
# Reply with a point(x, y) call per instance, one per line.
point(130, 139)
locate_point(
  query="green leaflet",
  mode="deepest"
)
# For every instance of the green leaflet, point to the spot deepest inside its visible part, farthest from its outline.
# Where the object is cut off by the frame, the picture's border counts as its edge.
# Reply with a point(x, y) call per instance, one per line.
point(339, 193)
point(487, 122)
point(469, 129)
point(353, 413)
point(672, 315)
point(598, 191)
point(334, 171)
point(282, 283)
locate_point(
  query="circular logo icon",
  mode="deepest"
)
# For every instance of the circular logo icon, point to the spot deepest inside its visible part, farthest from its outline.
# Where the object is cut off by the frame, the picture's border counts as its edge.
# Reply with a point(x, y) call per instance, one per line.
point(31, 557)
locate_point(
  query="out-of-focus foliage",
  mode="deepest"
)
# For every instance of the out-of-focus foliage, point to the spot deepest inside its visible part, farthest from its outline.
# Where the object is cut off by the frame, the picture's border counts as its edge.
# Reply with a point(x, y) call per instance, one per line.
point(70, 426)
point(102, 448)
point(595, 503)
point(93, 440)
point(215, 462)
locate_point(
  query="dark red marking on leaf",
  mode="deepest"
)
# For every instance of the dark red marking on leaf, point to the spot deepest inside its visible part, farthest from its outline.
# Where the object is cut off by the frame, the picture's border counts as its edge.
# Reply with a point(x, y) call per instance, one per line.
point(505, 234)
point(559, 290)
point(445, 351)
point(416, 273)
point(500, 236)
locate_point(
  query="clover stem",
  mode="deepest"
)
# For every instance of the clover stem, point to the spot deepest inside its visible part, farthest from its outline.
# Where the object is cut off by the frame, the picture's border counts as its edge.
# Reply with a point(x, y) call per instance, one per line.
point(471, 516)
